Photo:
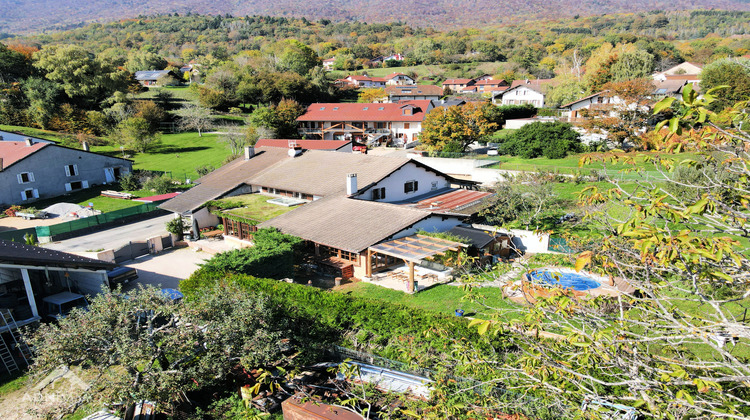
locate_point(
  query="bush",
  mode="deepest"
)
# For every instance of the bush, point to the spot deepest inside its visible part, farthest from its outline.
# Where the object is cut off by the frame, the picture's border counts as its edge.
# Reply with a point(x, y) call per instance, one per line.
point(130, 182)
point(177, 227)
point(272, 256)
point(551, 140)
point(159, 184)
point(511, 112)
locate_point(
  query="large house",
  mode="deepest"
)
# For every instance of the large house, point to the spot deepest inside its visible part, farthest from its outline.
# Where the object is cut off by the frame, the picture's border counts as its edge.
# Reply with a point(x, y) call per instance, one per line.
point(397, 123)
point(398, 79)
point(30, 170)
point(457, 85)
point(151, 78)
point(523, 92)
point(683, 71)
point(413, 93)
point(348, 203)
point(355, 81)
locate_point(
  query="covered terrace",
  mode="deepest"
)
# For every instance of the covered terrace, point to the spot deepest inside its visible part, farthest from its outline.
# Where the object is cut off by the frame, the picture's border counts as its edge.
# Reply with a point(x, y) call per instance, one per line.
point(411, 249)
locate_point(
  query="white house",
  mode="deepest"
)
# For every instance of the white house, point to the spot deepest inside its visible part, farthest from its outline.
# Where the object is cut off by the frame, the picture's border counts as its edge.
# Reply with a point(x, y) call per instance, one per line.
point(524, 92)
point(398, 79)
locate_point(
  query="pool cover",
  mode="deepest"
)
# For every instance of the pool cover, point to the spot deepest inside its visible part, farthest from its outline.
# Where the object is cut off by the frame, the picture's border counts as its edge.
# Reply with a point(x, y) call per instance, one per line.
point(573, 281)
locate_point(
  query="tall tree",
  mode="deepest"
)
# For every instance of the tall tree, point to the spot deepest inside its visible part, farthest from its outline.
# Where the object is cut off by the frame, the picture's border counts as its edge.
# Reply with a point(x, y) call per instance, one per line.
point(730, 72)
point(456, 127)
point(194, 117)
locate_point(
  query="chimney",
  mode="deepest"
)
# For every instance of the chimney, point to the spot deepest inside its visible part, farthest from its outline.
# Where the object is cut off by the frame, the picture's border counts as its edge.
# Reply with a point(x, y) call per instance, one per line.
point(29, 141)
point(351, 184)
point(249, 152)
point(527, 81)
point(85, 146)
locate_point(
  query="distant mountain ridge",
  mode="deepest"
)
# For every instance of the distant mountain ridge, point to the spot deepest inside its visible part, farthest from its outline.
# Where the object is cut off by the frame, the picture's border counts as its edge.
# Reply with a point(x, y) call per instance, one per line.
point(26, 16)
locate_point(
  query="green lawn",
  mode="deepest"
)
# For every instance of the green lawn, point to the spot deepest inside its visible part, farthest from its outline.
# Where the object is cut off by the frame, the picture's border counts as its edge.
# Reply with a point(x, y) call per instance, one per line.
point(35, 132)
point(443, 299)
point(254, 207)
point(180, 94)
point(178, 154)
point(92, 195)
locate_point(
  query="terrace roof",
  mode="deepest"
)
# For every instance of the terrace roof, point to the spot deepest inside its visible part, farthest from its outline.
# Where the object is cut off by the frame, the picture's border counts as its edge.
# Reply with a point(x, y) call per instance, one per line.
point(416, 247)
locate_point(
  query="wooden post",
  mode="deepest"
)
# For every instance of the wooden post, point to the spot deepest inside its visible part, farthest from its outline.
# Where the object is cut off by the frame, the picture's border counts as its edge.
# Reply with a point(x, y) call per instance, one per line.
point(368, 267)
point(411, 276)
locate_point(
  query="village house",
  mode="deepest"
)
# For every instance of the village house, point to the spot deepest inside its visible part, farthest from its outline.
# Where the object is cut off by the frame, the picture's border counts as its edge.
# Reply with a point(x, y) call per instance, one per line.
point(328, 63)
point(369, 123)
point(398, 79)
point(413, 93)
point(577, 110)
point(31, 170)
point(524, 92)
point(153, 78)
point(355, 81)
point(457, 85)
point(344, 205)
point(683, 71)
point(332, 145)
point(488, 85)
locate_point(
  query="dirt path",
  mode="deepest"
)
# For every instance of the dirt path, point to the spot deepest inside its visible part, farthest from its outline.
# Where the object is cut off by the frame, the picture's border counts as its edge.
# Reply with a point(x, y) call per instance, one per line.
point(14, 223)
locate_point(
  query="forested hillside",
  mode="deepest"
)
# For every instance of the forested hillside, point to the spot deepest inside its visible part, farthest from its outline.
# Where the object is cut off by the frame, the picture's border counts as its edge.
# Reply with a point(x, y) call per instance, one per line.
point(24, 16)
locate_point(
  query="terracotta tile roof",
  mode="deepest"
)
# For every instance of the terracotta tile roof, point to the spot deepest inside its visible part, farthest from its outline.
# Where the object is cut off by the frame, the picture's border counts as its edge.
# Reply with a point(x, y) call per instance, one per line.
point(492, 82)
point(346, 223)
point(15, 151)
point(682, 77)
point(155, 198)
point(539, 85)
point(415, 90)
point(305, 144)
point(323, 173)
point(457, 81)
point(668, 86)
point(225, 179)
point(18, 253)
point(365, 112)
point(392, 75)
point(496, 88)
point(451, 201)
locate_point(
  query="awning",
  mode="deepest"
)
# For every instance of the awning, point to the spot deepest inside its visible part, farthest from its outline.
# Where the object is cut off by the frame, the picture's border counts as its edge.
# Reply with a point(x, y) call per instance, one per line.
point(416, 247)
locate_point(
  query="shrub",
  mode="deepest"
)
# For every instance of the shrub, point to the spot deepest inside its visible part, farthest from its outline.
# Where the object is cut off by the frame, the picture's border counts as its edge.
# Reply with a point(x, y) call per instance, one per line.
point(177, 227)
point(551, 140)
point(159, 184)
point(129, 182)
point(272, 256)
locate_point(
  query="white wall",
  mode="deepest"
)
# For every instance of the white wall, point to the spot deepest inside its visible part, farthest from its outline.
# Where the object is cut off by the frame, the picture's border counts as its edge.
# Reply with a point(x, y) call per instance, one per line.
point(204, 218)
point(453, 166)
point(523, 95)
point(415, 127)
point(523, 240)
point(394, 184)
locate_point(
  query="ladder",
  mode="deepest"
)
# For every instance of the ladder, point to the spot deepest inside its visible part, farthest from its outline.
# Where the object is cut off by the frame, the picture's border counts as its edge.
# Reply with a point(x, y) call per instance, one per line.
point(13, 342)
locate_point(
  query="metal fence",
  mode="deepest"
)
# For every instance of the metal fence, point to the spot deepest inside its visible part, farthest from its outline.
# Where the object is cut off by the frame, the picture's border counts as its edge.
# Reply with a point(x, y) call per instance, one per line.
point(94, 221)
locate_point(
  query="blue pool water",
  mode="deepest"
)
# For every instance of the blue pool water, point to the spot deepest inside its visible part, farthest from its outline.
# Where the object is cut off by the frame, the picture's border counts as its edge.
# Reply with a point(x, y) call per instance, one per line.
point(573, 281)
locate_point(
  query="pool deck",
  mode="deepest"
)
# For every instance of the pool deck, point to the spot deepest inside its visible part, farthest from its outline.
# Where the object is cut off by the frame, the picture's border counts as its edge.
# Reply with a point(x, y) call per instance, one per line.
point(523, 292)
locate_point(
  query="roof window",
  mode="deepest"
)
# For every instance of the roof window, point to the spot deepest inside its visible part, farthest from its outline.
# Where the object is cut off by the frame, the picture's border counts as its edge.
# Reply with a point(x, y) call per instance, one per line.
point(365, 108)
point(335, 108)
point(381, 108)
point(322, 108)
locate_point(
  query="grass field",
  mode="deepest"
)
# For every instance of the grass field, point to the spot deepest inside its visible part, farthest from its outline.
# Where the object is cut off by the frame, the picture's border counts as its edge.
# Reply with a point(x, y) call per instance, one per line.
point(178, 154)
point(442, 299)
point(35, 132)
point(180, 94)
point(92, 195)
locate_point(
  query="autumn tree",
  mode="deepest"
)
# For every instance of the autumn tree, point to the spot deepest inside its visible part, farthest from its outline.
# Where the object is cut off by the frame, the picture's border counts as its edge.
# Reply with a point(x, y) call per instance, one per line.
point(456, 127)
point(144, 346)
point(673, 342)
point(733, 73)
point(194, 117)
point(136, 133)
point(627, 113)
point(371, 95)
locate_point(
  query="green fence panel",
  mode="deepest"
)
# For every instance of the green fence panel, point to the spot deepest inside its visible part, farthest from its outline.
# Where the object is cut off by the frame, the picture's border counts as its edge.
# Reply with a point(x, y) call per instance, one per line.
point(93, 221)
point(18, 234)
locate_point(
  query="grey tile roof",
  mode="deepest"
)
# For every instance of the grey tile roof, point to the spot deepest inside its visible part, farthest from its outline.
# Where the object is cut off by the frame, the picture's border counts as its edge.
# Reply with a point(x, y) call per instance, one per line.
point(323, 173)
point(225, 179)
point(346, 223)
point(22, 254)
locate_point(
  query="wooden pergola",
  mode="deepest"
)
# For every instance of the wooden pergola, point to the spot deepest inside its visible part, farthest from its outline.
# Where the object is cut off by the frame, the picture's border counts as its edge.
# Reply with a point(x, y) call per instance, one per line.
point(411, 249)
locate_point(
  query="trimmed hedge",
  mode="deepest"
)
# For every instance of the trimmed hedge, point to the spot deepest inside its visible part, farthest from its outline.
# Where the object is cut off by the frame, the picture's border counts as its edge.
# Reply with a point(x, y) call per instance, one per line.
point(272, 256)
point(390, 330)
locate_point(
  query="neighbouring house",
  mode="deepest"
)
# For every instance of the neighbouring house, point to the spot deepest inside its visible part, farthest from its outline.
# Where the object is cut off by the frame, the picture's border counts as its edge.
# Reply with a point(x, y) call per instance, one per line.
point(446, 103)
point(355, 81)
point(457, 85)
point(332, 145)
point(380, 61)
point(413, 93)
point(346, 204)
point(193, 69)
point(30, 170)
point(37, 283)
point(391, 123)
point(328, 63)
point(152, 78)
point(576, 111)
point(398, 79)
point(525, 92)
point(670, 87)
point(485, 245)
point(20, 137)
point(489, 85)
point(691, 70)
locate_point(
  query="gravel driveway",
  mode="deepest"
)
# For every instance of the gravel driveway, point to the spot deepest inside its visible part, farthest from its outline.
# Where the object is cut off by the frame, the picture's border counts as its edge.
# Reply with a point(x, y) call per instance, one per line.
point(166, 269)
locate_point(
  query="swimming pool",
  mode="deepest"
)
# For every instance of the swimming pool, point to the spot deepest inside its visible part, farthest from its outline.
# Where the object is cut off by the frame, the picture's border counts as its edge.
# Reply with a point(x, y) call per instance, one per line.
point(565, 278)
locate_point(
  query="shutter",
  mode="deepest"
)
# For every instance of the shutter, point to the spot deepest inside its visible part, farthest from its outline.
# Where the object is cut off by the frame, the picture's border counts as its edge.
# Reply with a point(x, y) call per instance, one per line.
point(382, 193)
point(75, 169)
point(85, 184)
point(20, 180)
point(23, 195)
point(31, 177)
point(406, 187)
point(36, 193)
point(416, 185)
point(67, 187)
point(67, 170)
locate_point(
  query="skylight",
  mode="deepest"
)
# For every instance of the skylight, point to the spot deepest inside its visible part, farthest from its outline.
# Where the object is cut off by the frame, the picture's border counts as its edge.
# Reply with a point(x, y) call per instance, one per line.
point(335, 108)
point(322, 108)
point(381, 108)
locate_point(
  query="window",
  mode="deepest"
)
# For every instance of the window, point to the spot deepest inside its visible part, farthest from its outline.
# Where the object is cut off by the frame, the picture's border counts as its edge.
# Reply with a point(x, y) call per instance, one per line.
point(434, 185)
point(71, 170)
point(25, 177)
point(76, 185)
point(349, 256)
point(381, 125)
point(406, 126)
point(411, 186)
point(29, 194)
point(378, 193)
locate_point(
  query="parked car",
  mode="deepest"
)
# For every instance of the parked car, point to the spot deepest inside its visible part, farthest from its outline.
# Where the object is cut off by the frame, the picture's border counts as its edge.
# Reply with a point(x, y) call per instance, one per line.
point(121, 275)
point(58, 306)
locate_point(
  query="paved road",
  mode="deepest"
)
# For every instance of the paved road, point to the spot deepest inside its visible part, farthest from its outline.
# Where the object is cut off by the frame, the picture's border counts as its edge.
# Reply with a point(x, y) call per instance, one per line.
point(115, 237)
